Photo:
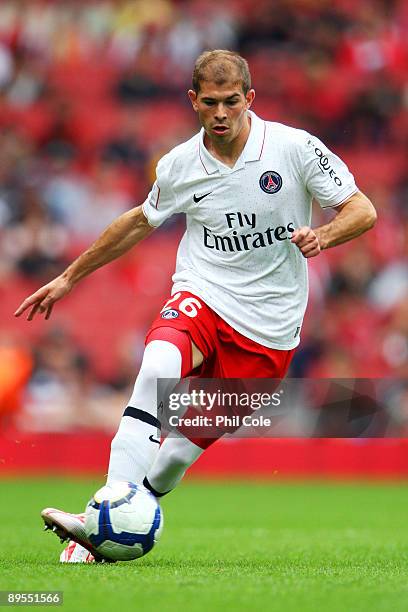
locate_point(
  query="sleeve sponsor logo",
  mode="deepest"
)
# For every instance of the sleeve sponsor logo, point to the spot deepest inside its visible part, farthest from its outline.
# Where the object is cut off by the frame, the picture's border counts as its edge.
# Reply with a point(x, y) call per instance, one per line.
point(326, 167)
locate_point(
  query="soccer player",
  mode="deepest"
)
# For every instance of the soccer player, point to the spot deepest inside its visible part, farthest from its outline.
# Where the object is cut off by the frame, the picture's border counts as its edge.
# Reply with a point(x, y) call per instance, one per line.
point(240, 287)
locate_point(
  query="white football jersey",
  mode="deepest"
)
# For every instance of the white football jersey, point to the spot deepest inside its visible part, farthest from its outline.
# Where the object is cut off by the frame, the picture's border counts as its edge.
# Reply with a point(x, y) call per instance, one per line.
point(236, 253)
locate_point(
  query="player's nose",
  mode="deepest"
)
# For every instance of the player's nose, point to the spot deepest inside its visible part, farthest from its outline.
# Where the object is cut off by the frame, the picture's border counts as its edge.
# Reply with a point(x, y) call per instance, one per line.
point(220, 114)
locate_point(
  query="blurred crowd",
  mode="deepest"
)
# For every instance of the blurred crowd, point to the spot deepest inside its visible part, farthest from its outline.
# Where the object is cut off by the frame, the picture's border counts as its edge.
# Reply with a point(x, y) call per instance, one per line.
point(93, 92)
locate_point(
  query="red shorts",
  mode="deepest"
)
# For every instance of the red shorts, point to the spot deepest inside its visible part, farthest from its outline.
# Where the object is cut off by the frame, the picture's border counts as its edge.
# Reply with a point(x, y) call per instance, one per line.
point(227, 353)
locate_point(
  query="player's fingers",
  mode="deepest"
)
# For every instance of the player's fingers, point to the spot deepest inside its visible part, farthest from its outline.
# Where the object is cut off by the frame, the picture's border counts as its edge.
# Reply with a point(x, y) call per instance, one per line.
point(47, 302)
point(310, 250)
point(296, 237)
point(33, 311)
point(49, 311)
point(24, 305)
point(32, 299)
point(308, 244)
point(308, 241)
point(312, 253)
point(300, 234)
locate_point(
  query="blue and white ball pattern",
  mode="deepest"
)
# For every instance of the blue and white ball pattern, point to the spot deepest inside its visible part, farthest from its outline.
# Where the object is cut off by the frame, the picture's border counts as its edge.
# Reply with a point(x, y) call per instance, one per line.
point(123, 521)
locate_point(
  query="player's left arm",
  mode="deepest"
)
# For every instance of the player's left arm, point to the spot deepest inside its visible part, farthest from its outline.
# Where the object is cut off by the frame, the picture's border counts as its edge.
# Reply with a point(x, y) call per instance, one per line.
point(353, 217)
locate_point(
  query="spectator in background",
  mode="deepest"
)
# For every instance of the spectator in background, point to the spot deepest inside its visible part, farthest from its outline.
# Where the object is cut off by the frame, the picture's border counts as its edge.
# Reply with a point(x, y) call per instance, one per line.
point(126, 145)
point(62, 392)
point(34, 242)
point(15, 153)
point(86, 203)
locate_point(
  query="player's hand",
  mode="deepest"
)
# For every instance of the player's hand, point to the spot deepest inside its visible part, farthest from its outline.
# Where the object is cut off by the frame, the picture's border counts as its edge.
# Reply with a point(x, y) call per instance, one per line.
point(307, 241)
point(43, 300)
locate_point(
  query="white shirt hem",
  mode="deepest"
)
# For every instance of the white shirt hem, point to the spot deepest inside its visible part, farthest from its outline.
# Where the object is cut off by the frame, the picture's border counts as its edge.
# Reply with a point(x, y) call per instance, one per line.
point(282, 346)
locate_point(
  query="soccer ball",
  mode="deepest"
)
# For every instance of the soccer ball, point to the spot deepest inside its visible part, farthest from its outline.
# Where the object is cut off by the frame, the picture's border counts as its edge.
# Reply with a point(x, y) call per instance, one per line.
point(123, 521)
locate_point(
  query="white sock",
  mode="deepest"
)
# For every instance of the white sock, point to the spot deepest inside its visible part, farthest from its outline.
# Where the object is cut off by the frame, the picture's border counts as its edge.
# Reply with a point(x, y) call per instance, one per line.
point(136, 442)
point(175, 456)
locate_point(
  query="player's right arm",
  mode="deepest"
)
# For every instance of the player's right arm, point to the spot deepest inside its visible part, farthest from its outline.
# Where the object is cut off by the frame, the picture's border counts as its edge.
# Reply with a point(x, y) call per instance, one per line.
point(120, 236)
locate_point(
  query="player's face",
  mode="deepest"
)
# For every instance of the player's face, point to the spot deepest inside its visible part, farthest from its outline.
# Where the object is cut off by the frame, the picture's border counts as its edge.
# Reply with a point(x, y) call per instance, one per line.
point(221, 109)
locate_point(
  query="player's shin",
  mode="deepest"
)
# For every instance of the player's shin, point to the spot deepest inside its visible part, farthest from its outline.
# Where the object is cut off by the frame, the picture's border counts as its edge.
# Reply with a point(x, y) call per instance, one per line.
point(175, 456)
point(136, 444)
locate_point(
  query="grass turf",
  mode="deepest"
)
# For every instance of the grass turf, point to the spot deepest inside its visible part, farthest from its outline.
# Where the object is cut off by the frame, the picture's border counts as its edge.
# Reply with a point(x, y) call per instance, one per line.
point(226, 546)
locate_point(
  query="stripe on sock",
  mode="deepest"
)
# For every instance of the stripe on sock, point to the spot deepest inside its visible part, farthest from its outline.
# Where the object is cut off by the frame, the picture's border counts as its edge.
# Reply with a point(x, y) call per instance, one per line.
point(146, 417)
point(147, 485)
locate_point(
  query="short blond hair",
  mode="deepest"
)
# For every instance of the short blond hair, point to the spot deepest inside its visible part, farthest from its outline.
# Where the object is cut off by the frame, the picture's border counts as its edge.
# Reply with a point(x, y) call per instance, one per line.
point(221, 66)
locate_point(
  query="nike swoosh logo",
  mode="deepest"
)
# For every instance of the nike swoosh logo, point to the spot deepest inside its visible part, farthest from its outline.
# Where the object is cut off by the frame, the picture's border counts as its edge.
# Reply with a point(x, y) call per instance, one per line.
point(198, 198)
point(154, 440)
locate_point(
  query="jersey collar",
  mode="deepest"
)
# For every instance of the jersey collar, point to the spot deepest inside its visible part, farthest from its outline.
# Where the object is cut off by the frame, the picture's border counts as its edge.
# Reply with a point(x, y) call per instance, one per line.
point(254, 145)
point(251, 152)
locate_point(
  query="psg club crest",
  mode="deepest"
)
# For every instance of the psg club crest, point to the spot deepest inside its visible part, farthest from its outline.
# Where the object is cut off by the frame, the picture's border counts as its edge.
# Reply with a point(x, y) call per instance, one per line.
point(270, 181)
point(170, 314)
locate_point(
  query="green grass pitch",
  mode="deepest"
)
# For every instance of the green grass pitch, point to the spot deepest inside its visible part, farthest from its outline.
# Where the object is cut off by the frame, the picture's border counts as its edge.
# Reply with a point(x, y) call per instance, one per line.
point(226, 546)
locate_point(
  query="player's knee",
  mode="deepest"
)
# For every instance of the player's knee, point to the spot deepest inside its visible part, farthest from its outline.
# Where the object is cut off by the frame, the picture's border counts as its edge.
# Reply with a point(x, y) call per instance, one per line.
point(161, 359)
point(180, 341)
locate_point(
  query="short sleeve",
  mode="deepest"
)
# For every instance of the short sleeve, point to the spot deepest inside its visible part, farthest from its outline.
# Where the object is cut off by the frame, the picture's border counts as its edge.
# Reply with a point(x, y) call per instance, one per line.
point(327, 177)
point(161, 203)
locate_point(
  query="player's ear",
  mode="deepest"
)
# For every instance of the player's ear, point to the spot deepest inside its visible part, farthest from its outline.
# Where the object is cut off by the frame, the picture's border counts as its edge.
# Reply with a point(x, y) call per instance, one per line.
point(250, 97)
point(193, 99)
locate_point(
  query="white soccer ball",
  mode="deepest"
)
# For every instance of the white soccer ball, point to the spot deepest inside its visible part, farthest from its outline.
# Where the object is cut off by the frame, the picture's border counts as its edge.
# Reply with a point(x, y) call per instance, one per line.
point(123, 521)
